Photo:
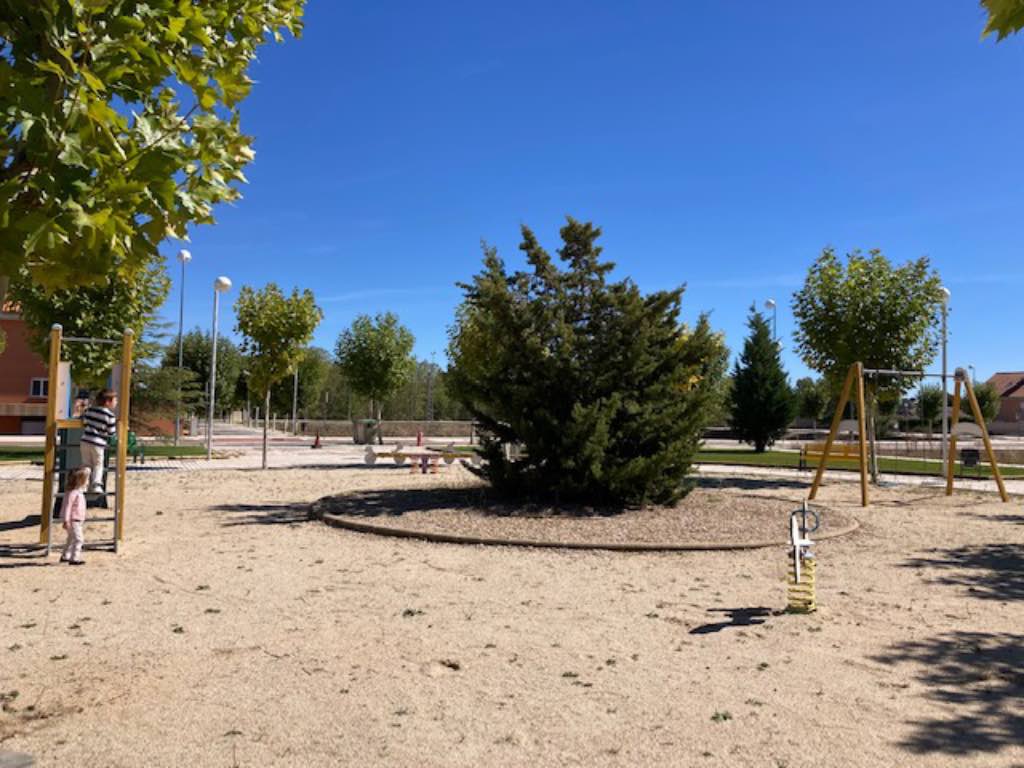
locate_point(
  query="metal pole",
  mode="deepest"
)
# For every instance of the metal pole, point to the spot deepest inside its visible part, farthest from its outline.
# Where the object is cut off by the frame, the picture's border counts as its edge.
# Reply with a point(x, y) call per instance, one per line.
point(213, 378)
point(945, 394)
point(181, 324)
point(430, 390)
point(295, 401)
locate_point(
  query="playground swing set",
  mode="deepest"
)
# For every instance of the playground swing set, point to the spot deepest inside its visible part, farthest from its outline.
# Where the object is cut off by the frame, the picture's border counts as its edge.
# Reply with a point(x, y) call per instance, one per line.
point(63, 432)
point(855, 377)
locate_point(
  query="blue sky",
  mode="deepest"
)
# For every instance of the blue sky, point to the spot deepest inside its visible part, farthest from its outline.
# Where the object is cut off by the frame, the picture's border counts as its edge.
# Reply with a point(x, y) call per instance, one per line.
point(720, 145)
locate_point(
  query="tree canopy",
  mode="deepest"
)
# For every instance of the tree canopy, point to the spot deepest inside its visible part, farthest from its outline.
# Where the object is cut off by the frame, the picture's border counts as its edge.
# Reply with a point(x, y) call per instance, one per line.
point(1005, 17)
point(196, 358)
point(101, 311)
point(375, 357)
point(812, 399)
point(867, 310)
point(587, 389)
point(120, 126)
point(275, 331)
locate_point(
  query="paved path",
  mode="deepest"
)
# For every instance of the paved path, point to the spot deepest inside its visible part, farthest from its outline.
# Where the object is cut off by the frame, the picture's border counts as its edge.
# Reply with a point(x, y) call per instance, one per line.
point(343, 453)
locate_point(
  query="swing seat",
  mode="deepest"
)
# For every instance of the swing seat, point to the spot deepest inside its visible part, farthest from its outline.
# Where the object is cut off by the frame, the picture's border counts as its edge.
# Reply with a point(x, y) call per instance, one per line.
point(812, 452)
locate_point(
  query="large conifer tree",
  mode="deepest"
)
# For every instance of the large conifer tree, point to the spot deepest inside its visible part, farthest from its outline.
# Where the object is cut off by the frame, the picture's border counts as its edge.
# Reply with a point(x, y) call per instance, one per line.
point(589, 390)
point(763, 405)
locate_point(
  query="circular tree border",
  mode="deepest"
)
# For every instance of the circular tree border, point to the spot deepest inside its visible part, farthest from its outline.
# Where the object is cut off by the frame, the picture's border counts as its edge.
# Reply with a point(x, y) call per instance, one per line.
point(317, 512)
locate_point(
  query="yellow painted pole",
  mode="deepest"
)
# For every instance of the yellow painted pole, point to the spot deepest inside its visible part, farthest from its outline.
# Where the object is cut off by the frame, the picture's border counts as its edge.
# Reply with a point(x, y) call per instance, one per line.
point(862, 427)
point(980, 421)
point(124, 410)
point(50, 454)
point(844, 398)
point(951, 455)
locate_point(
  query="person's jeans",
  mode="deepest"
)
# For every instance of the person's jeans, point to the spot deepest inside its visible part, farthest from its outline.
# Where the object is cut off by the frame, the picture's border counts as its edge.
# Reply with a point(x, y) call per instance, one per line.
point(92, 457)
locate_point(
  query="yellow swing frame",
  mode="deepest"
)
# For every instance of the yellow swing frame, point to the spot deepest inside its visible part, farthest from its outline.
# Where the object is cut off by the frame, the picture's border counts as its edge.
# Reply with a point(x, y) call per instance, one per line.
point(855, 375)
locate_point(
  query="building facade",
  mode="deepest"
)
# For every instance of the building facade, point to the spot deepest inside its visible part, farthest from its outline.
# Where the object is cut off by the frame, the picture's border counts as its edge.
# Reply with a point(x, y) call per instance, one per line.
point(1010, 386)
point(23, 380)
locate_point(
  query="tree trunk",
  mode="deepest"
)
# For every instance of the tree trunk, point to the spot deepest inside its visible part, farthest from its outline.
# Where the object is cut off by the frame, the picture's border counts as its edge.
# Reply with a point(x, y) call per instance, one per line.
point(266, 419)
point(380, 432)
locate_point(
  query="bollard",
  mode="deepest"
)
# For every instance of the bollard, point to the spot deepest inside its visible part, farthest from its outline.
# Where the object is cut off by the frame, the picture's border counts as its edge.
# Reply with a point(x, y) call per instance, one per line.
point(419, 438)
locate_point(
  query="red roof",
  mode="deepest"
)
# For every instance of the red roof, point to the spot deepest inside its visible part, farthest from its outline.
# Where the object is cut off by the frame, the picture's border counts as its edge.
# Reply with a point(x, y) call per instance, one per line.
point(1008, 384)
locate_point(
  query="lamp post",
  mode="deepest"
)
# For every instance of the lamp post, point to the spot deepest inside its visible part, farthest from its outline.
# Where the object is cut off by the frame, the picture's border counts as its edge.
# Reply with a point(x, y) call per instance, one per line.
point(220, 285)
point(771, 305)
point(295, 402)
point(974, 375)
point(944, 291)
point(430, 389)
point(184, 257)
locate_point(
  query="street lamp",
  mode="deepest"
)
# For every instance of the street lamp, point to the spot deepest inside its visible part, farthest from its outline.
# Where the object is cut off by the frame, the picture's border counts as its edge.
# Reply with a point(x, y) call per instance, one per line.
point(430, 389)
point(974, 375)
point(944, 292)
point(184, 257)
point(295, 402)
point(220, 285)
point(771, 305)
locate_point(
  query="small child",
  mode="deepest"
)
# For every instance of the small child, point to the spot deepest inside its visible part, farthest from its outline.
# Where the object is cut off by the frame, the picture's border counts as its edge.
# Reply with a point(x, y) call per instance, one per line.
point(100, 424)
point(72, 514)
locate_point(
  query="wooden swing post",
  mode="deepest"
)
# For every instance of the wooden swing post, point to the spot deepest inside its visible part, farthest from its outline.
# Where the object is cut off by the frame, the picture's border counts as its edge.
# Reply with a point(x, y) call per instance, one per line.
point(855, 374)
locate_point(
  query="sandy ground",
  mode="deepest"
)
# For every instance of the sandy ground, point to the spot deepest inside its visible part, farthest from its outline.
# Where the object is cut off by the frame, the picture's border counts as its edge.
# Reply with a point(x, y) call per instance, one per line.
point(232, 632)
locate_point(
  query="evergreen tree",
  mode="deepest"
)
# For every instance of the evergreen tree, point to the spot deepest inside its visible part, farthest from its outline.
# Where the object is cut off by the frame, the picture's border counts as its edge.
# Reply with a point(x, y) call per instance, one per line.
point(763, 405)
point(589, 390)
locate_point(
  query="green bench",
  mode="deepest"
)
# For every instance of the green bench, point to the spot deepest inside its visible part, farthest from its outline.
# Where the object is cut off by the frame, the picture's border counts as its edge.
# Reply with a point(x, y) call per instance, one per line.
point(135, 449)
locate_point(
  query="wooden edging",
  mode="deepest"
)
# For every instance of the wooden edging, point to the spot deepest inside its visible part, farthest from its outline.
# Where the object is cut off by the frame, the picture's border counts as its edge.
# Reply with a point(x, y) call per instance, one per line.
point(347, 523)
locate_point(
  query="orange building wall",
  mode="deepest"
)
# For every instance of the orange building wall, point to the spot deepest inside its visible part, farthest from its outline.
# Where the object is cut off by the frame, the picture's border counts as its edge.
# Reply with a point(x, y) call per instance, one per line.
point(18, 364)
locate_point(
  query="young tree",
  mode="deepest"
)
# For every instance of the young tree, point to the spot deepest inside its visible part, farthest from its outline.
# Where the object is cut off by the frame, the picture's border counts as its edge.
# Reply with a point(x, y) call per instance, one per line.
point(155, 392)
point(811, 399)
point(375, 357)
point(930, 405)
point(119, 126)
point(602, 386)
point(869, 311)
point(196, 359)
point(314, 366)
point(762, 402)
point(102, 311)
point(275, 331)
point(988, 401)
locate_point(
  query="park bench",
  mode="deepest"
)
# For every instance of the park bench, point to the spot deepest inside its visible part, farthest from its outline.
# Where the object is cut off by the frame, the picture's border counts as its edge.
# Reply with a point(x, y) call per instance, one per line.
point(811, 453)
point(135, 449)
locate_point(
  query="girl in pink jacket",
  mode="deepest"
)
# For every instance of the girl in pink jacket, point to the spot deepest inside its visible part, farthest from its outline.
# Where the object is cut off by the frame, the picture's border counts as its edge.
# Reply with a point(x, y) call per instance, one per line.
point(72, 514)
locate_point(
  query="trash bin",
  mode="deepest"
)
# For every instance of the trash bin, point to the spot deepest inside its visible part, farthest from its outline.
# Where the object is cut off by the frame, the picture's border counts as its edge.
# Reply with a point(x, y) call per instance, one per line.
point(364, 431)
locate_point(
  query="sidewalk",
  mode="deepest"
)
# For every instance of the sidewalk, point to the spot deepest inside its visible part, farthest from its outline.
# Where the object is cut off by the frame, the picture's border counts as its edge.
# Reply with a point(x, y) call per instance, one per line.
point(345, 454)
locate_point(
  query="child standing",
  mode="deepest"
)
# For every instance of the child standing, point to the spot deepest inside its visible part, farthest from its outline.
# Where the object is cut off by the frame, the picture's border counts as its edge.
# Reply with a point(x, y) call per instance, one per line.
point(72, 515)
point(100, 424)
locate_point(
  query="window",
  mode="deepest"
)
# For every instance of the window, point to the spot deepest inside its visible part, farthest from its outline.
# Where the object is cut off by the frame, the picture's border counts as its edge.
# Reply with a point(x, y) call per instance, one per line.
point(40, 387)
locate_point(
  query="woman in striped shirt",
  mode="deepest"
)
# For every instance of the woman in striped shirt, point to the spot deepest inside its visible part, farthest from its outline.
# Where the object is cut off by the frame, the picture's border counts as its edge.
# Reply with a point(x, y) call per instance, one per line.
point(100, 424)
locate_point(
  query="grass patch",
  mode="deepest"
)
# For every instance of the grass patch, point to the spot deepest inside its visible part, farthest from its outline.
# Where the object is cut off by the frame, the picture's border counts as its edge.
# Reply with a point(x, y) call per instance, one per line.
point(791, 459)
point(32, 453)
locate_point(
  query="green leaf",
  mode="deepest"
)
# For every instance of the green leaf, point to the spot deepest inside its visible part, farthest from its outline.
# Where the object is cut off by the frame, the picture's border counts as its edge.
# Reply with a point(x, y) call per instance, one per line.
point(91, 80)
point(49, 66)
